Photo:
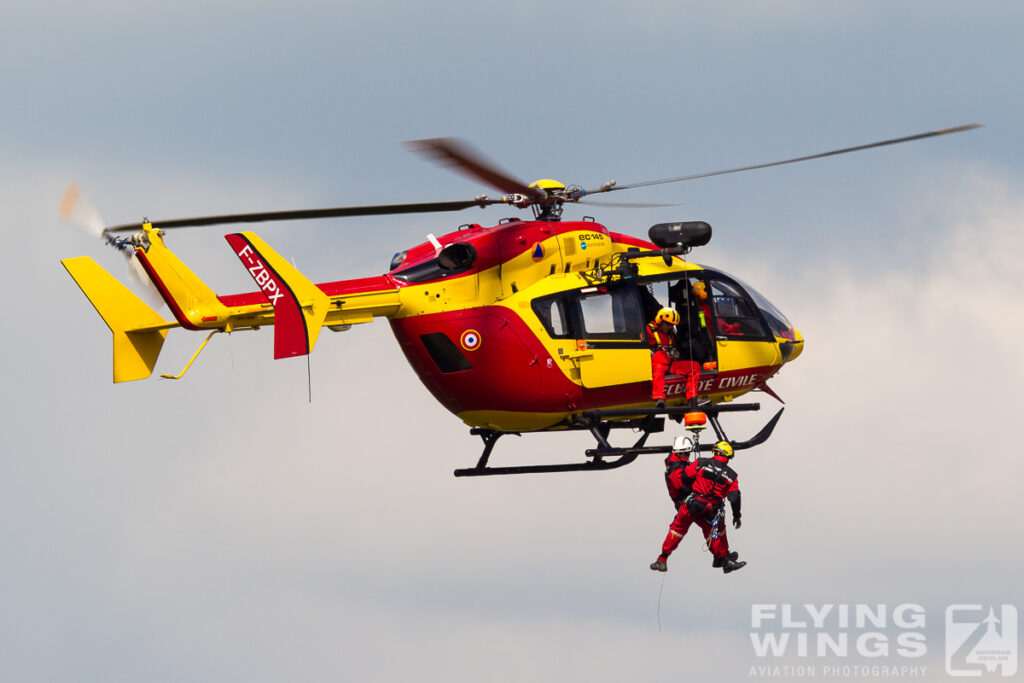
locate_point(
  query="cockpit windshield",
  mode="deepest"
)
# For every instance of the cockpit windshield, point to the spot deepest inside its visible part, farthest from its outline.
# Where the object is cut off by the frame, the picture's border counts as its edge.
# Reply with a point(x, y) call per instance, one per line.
point(733, 312)
point(777, 322)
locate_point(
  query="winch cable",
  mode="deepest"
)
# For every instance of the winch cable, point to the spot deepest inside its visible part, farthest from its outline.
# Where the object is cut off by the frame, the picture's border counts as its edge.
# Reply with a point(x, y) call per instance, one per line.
point(660, 591)
point(687, 292)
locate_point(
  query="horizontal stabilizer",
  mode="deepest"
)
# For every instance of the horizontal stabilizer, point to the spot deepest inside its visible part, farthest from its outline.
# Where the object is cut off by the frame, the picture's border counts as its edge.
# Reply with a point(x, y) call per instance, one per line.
point(300, 307)
point(138, 330)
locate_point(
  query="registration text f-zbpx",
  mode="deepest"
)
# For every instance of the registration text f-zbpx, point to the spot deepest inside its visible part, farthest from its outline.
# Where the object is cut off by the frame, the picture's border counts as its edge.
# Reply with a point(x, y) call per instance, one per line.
point(261, 274)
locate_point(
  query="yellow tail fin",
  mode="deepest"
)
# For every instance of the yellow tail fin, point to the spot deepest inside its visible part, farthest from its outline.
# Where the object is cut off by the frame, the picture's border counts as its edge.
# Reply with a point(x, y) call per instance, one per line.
point(138, 330)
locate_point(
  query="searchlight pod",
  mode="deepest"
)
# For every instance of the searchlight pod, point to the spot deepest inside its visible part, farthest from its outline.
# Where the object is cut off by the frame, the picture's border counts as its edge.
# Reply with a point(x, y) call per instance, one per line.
point(687, 235)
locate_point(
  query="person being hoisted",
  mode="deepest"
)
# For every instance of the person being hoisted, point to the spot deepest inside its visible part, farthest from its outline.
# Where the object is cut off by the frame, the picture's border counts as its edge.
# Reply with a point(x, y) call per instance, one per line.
point(711, 482)
point(665, 357)
point(679, 487)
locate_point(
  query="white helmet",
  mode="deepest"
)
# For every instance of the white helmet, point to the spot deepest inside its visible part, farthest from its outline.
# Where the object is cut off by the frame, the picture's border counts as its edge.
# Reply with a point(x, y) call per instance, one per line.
point(682, 444)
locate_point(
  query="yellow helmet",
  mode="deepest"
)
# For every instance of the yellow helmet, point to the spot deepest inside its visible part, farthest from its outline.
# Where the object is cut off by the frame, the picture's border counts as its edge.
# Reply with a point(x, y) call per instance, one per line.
point(723, 448)
point(700, 290)
point(668, 315)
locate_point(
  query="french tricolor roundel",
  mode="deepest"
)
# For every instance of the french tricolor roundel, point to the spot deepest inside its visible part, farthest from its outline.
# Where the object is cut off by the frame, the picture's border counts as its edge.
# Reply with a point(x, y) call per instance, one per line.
point(470, 340)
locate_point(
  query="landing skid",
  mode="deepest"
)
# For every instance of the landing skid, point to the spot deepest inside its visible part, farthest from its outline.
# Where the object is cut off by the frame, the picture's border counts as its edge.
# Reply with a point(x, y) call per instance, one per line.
point(608, 457)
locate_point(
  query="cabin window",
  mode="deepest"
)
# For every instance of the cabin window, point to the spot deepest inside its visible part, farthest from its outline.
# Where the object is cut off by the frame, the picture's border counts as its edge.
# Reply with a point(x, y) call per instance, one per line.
point(552, 315)
point(614, 314)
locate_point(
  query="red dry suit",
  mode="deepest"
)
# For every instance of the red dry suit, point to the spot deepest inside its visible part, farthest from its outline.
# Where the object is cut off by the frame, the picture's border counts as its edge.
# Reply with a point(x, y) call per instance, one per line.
point(662, 363)
point(712, 482)
point(679, 486)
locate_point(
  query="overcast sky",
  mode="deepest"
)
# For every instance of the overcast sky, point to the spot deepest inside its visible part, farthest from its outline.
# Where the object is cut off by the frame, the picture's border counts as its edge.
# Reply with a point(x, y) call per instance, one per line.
point(221, 528)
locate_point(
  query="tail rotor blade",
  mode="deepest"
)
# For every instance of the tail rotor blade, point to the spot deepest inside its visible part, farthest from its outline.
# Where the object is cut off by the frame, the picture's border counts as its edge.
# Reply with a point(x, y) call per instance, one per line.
point(144, 286)
point(79, 211)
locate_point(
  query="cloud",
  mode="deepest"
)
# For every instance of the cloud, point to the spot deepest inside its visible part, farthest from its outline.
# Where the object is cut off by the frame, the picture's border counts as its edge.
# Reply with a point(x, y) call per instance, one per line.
point(222, 526)
point(907, 388)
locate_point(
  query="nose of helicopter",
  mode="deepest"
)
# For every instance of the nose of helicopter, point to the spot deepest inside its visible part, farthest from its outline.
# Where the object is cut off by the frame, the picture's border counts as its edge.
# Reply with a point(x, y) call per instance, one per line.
point(791, 349)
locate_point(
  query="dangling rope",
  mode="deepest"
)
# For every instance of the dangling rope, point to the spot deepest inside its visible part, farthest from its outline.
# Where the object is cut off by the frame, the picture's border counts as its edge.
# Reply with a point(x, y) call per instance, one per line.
point(309, 379)
point(663, 576)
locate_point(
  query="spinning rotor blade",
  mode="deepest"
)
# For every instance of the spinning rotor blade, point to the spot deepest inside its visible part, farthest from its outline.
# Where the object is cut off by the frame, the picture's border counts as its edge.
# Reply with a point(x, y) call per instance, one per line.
point(625, 205)
point(79, 211)
point(462, 157)
point(146, 289)
point(883, 143)
point(337, 212)
point(458, 154)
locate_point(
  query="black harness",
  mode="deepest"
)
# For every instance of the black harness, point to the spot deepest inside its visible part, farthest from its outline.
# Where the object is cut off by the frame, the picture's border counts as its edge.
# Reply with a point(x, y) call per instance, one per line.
point(702, 502)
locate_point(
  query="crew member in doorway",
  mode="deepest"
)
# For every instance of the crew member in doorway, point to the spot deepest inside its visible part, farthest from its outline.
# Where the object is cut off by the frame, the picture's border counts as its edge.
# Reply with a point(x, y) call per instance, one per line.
point(712, 481)
point(665, 357)
point(701, 292)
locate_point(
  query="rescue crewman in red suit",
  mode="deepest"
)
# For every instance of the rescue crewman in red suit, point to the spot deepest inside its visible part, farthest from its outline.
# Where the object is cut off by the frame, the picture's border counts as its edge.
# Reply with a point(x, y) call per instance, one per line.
point(713, 481)
point(665, 357)
point(679, 487)
point(700, 291)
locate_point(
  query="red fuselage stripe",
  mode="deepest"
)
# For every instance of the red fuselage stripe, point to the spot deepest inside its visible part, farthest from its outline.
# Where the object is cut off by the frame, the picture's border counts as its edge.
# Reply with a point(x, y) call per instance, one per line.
point(179, 315)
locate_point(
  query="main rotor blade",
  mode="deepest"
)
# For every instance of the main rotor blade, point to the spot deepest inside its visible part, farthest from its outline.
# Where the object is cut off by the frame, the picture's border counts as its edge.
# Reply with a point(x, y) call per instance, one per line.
point(459, 155)
point(883, 143)
point(626, 205)
point(337, 212)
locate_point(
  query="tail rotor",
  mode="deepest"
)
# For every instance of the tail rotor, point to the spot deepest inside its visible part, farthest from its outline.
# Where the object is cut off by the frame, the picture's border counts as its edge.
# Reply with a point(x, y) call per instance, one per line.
point(76, 209)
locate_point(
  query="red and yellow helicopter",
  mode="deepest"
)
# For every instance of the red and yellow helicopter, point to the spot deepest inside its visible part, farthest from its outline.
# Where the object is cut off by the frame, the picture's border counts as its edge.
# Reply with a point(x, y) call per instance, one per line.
point(525, 326)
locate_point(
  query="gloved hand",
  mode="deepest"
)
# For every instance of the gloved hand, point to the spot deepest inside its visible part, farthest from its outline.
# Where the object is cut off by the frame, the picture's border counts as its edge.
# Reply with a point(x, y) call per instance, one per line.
point(736, 522)
point(673, 353)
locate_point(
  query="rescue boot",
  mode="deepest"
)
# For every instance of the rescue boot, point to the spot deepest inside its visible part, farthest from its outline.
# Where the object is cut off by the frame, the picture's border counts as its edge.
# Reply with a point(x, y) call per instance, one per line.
point(719, 561)
point(659, 566)
point(732, 565)
point(660, 403)
point(692, 404)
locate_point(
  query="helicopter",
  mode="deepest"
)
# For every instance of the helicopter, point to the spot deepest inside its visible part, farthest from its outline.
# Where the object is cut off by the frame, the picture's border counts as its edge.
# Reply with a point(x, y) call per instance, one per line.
point(527, 326)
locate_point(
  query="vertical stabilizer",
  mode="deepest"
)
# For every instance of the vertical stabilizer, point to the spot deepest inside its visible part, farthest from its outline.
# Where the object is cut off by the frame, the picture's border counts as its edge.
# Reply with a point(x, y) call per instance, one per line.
point(138, 330)
point(300, 307)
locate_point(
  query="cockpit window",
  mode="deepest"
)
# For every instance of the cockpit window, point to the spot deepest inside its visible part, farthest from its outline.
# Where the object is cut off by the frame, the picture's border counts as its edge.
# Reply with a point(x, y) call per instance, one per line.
point(735, 315)
point(777, 322)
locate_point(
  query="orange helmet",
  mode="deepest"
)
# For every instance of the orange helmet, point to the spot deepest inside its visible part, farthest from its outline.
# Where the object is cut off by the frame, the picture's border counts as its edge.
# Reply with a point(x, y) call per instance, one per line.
point(668, 315)
point(700, 290)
